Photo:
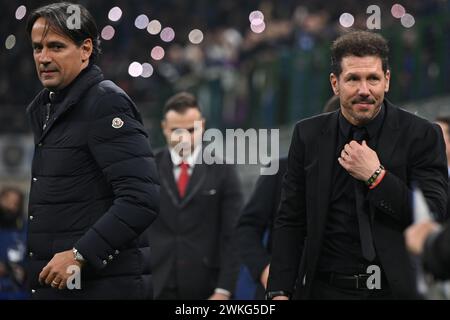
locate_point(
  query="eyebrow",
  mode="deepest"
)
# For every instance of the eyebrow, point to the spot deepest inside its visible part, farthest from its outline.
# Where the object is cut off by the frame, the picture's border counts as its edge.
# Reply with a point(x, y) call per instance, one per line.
point(372, 74)
point(192, 129)
point(49, 44)
point(56, 43)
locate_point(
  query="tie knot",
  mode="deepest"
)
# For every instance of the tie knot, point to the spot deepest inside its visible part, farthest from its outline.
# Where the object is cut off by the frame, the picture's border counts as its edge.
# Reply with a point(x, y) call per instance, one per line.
point(359, 133)
point(184, 165)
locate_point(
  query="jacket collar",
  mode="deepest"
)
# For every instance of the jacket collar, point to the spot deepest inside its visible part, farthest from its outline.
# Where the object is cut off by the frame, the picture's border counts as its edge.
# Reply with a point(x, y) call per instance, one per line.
point(65, 99)
point(168, 180)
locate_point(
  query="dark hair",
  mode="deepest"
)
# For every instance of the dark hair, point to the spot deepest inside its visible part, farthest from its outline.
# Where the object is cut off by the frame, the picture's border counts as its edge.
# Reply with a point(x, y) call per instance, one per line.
point(180, 102)
point(360, 44)
point(57, 17)
point(446, 120)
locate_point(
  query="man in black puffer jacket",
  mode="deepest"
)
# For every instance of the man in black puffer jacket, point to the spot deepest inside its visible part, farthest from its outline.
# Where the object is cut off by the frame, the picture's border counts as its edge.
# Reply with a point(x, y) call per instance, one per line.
point(94, 186)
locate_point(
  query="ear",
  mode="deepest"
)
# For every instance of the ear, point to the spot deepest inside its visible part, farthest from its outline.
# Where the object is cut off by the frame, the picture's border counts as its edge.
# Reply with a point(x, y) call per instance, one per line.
point(334, 83)
point(203, 124)
point(165, 130)
point(388, 78)
point(86, 49)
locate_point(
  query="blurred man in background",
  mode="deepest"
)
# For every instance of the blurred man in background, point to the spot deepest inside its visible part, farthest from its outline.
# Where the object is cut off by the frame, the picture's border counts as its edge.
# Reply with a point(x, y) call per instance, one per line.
point(192, 255)
point(94, 183)
point(254, 228)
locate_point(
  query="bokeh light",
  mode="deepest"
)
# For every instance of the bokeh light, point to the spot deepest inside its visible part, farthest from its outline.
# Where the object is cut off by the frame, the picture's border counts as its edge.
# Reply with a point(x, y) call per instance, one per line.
point(147, 70)
point(10, 42)
point(115, 14)
point(157, 53)
point(141, 21)
point(408, 21)
point(196, 36)
point(398, 11)
point(257, 21)
point(258, 28)
point(167, 34)
point(108, 32)
point(135, 69)
point(154, 27)
point(255, 15)
point(21, 12)
point(346, 20)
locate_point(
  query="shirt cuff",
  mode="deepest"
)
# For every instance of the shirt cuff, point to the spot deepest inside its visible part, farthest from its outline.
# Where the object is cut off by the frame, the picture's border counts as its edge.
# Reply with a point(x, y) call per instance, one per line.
point(223, 291)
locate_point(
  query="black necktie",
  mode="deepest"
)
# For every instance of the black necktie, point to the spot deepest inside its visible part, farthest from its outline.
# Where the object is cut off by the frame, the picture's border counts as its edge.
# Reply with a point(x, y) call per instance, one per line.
point(365, 232)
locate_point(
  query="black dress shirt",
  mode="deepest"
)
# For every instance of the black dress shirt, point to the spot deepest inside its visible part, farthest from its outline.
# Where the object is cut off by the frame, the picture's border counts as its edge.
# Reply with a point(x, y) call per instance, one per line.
point(341, 249)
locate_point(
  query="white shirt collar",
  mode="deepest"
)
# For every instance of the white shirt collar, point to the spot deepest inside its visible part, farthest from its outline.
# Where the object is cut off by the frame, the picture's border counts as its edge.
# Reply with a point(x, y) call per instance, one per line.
point(190, 160)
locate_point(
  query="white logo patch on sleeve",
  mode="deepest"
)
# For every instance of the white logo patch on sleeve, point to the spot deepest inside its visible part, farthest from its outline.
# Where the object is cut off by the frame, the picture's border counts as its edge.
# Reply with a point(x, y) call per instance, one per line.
point(117, 123)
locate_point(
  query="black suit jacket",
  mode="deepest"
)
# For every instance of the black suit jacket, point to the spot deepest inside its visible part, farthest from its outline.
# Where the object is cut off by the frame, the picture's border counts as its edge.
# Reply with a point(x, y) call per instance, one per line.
point(410, 148)
point(257, 219)
point(194, 233)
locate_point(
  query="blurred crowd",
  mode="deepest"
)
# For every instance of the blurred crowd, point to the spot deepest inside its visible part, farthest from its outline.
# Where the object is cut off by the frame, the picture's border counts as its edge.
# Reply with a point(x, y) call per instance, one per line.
point(12, 244)
point(228, 69)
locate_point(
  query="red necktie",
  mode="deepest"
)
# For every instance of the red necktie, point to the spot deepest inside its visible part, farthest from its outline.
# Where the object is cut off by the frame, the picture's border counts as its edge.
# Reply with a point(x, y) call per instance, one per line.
point(183, 179)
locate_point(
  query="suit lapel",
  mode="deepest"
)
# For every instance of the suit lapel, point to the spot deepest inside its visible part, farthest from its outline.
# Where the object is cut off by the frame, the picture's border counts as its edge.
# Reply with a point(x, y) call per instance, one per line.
point(168, 179)
point(389, 135)
point(326, 160)
point(195, 182)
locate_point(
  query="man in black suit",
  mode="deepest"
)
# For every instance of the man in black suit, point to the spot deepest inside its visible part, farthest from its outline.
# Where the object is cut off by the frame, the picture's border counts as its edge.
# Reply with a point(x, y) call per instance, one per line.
point(346, 193)
point(254, 228)
point(191, 240)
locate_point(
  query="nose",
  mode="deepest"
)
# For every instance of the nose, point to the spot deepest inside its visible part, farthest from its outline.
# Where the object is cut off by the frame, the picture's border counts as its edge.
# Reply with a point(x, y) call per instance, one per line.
point(44, 57)
point(185, 137)
point(363, 89)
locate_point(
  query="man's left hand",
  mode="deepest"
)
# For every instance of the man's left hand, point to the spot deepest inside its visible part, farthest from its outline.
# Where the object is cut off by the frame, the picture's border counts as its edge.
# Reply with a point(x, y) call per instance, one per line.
point(55, 272)
point(359, 160)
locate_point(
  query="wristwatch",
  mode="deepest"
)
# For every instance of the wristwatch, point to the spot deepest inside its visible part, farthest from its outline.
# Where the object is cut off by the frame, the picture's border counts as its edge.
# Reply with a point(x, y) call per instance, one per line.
point(78, 256)
point(272, 294)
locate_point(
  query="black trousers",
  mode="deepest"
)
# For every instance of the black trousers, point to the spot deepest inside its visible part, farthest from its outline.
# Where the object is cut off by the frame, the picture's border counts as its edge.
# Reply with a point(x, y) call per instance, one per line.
point(323, 291)
point(169, 293)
